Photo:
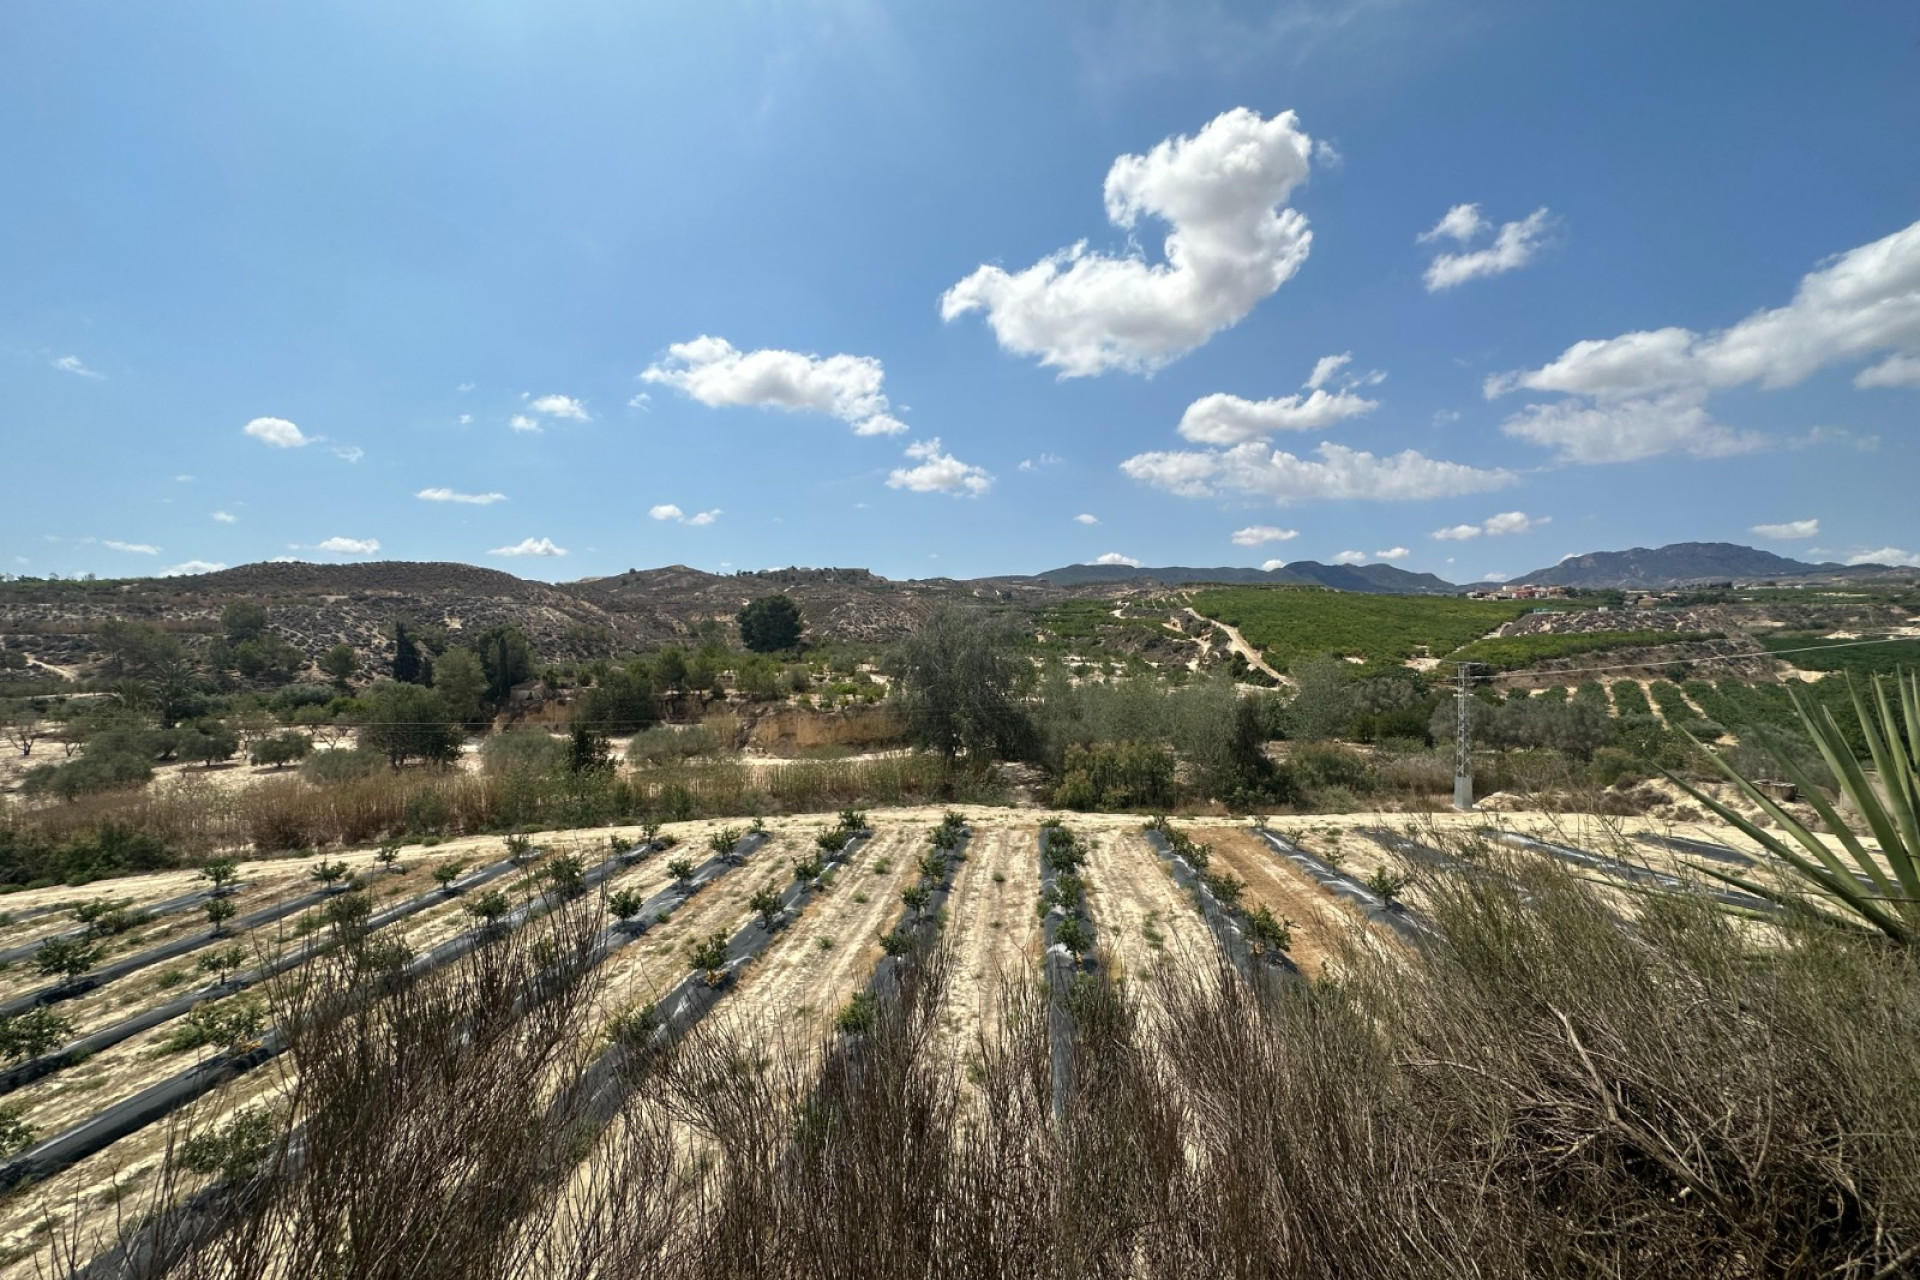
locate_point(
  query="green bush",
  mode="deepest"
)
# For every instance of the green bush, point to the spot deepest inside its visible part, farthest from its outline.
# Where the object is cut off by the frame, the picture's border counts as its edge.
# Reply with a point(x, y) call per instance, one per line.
point(1119, 775)
point(523, 750)
point(341, 765)
point(28, 856)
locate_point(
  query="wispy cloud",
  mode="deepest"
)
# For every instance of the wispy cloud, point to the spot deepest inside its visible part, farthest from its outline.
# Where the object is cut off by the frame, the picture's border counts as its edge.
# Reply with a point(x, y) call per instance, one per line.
point(1257, 535)
point(670, 511)
point(450, 495)
point(1790, 531)
point(137, 548)
point(530, 547)
point(1514, 246)
point(77, 367)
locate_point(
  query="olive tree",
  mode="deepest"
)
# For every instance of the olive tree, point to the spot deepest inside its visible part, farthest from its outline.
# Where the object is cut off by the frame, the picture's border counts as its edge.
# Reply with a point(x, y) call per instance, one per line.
point(961, 678)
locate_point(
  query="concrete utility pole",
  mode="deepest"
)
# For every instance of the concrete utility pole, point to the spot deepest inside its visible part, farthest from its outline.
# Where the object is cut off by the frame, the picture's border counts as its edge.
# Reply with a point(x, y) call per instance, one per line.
point(1463, 737)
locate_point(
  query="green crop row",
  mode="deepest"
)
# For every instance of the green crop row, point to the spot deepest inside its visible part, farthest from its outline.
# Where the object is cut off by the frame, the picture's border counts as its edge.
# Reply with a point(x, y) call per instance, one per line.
point(1513, 653)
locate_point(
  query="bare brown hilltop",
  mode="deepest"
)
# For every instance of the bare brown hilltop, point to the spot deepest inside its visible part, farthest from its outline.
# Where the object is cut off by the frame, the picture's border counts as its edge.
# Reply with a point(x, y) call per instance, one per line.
point(315, 606)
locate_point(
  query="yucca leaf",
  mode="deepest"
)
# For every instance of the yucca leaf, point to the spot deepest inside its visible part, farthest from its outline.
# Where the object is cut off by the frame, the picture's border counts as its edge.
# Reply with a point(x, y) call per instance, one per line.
point(1833, 880)
point(1858, 789)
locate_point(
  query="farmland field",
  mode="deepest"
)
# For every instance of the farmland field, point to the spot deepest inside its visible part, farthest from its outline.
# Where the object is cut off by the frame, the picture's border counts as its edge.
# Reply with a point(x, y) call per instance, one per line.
point(1150, 936)
point(1287, 624)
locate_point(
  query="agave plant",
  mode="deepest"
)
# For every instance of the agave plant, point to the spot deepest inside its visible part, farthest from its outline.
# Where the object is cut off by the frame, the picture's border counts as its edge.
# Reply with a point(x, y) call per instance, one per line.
point(1863, 893)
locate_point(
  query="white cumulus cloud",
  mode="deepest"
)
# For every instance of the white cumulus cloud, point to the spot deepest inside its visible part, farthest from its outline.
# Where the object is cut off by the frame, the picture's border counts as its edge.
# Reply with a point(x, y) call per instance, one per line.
point(530, 547)
point(279, 433)
point(521, 422)
point(1514, 246)
point(719, 375)
point(559, 407)
point(451, 495)
point(1114, 557)
point(1271, 565)
point(1258, 535)
point(1865, 301)
point(1230, 243)
point(1392, 553)
point(1645, 392)
point(1086, 518)
point(349, 546)
point(939, 472)
point(1255, 469)
point(186, 567)
point(137, 548)
point(226, 517)
point(1227, 419)
point(1514, 522)
point(1350, 557)
point(1627, 430)
point(1457, 533)
point(1788, 531)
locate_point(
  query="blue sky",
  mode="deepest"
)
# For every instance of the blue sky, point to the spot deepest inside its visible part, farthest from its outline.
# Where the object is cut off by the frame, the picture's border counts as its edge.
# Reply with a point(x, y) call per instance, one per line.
point(958, 289)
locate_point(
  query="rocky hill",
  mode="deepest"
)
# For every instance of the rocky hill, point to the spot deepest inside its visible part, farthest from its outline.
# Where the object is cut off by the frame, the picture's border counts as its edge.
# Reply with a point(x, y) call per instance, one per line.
point(839, 604)
point(315, 606)
point(1680, 564)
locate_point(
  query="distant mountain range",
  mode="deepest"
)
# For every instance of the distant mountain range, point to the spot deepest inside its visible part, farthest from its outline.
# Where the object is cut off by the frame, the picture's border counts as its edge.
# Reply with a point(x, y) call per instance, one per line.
point(1375, 578)
point(1678, 564)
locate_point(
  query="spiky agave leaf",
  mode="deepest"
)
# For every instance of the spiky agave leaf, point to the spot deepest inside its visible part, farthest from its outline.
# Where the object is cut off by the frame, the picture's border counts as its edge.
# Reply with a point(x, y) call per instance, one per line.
point(1892, 904)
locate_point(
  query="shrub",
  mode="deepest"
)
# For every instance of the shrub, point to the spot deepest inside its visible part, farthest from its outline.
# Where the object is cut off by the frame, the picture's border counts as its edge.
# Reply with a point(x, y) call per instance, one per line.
point(708, 956)
point(30, 1034)
point(564, 874)
point(1267, 933)
point(1386, 884)
point(228, 1024)
point(523, 750)
point(766, 902)
point(340, 765)
point(1120, 775)
point(283, 748)
point(67, 958)
point(859, 1016)
point(490, 907)
point(235, 1150)
point(16, 1135)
